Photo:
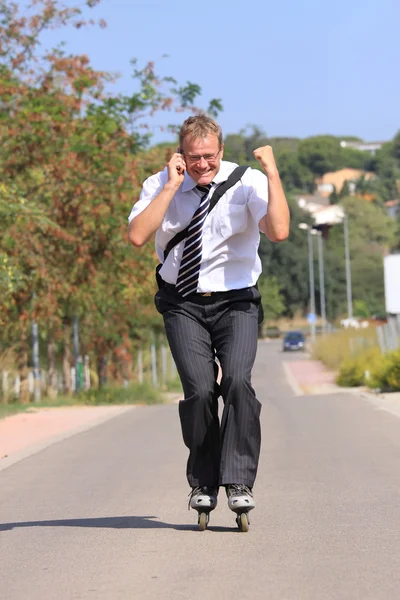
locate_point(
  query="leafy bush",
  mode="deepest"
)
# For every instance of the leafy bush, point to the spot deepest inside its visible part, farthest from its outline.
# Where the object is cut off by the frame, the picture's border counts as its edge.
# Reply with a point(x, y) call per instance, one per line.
point(386, 375)
point(358, 370)
point(393, 371)
point(345, 345)
point(351, 373)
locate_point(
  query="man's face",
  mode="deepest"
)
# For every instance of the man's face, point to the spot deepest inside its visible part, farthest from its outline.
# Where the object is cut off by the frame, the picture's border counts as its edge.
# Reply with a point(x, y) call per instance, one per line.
point(202, 158)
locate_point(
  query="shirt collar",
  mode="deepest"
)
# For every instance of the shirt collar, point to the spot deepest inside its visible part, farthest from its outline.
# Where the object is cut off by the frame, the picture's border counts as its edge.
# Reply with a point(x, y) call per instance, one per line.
point(225, 170)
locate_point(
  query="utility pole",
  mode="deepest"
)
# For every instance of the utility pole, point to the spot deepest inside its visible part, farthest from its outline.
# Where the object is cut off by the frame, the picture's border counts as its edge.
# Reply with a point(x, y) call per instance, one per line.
point(312, 285)
point(348, 268)
point(312, 316)
point(322, 280)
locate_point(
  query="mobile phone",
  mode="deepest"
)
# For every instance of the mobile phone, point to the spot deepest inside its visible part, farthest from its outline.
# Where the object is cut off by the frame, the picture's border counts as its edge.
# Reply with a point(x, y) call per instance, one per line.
point(179, 169)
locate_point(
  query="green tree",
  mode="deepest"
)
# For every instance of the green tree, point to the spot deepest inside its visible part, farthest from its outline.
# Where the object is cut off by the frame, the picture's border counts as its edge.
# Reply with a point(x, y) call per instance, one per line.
point(360, 309)
point(353, 159)
point(371, 234)
point(387, 168)
point(239, 147)
point(271, 297)
point(395, 150)
point(71, 166)
point(345, 190)
point(320, 154)
point(235, 148)
point(334, 197)
point(294, 174)
point(287, 262)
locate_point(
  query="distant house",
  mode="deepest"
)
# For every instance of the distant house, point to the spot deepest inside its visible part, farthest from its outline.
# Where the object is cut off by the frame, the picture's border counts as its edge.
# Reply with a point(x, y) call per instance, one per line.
point(304, 199)
point(370, 147)
point(334, 181)
point(323, 215)
point(392, 208)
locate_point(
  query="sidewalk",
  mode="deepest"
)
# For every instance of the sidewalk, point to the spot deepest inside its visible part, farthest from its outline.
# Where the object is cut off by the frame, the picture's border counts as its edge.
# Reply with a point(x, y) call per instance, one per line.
point(310, 377)
point(27, 433)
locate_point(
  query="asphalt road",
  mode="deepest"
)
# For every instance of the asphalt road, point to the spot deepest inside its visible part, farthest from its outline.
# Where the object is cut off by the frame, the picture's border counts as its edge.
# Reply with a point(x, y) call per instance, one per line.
point(103, 515)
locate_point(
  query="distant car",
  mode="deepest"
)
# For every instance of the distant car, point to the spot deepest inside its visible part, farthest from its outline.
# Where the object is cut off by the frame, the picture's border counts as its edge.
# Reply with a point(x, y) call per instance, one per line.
point(294, 340)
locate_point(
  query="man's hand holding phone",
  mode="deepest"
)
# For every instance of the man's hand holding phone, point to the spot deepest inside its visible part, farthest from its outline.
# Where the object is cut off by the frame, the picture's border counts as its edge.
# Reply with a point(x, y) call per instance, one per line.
point(176, 169)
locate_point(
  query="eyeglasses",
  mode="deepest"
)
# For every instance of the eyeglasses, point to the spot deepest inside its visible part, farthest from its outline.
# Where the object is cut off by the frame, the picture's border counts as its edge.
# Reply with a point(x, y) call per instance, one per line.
point(194, 158)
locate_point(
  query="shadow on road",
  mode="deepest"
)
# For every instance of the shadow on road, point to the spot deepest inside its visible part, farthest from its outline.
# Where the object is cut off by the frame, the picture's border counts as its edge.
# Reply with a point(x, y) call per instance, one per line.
point(111, 523)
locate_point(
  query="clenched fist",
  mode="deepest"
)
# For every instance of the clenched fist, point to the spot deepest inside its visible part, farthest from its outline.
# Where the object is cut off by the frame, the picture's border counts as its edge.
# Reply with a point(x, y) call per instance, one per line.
point(265, 157)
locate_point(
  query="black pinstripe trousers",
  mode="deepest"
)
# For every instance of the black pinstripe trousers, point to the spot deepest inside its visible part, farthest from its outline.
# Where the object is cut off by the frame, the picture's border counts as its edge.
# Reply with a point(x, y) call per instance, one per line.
point(199, 328)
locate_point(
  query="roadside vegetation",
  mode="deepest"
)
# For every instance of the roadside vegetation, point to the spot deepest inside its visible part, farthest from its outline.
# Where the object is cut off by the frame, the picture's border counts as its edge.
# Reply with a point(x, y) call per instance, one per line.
point(133, 393)
point(358, 360)
point(73, 157)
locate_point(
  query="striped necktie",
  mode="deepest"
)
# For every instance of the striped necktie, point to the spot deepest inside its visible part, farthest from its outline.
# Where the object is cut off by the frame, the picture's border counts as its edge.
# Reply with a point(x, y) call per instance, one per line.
point(188, 276)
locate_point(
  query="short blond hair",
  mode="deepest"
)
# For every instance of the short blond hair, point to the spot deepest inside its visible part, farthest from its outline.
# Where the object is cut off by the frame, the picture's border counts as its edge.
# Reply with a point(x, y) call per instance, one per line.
point(200, 126)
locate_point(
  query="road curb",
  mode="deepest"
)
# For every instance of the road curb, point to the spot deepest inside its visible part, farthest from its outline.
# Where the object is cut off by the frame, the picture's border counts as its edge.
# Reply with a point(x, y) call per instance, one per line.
point(292, 381)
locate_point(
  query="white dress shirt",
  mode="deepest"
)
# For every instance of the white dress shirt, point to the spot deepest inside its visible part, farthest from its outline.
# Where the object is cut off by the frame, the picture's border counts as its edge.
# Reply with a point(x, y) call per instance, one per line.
point(231, 233)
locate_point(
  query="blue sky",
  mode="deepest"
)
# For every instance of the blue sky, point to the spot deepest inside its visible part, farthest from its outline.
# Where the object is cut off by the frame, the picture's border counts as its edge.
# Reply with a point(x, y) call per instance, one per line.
point(293, 67)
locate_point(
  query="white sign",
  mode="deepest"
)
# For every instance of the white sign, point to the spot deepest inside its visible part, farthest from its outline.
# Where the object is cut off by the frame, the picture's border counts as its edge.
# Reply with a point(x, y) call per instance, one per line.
point(391, 265)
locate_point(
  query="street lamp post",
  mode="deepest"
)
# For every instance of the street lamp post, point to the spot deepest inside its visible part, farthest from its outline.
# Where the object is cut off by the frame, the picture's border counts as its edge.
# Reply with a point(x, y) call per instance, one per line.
point(322, 279)
point(338, 216)
point(348, 268)
point(312, 285)
point(311, 276)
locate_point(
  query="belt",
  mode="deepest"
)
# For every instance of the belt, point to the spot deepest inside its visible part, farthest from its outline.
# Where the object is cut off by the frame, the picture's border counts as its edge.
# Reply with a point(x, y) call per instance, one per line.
point(170, 286)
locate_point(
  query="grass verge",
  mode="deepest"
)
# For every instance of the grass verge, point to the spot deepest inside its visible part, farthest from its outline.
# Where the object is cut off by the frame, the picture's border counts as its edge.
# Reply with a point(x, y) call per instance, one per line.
point(108, 395)
point(334, 348)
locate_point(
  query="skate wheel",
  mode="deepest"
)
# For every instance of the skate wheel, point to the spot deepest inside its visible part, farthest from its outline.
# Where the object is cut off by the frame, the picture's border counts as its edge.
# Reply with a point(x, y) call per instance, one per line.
point(203, 521)
point(243, 522)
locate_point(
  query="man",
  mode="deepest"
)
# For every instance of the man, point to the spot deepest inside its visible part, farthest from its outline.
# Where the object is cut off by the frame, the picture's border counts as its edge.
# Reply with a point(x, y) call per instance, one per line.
point(209, 301)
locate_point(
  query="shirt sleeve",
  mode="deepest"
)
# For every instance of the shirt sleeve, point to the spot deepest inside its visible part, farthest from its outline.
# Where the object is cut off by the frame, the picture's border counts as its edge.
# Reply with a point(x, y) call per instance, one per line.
point(258, 194)
point(151, 188)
